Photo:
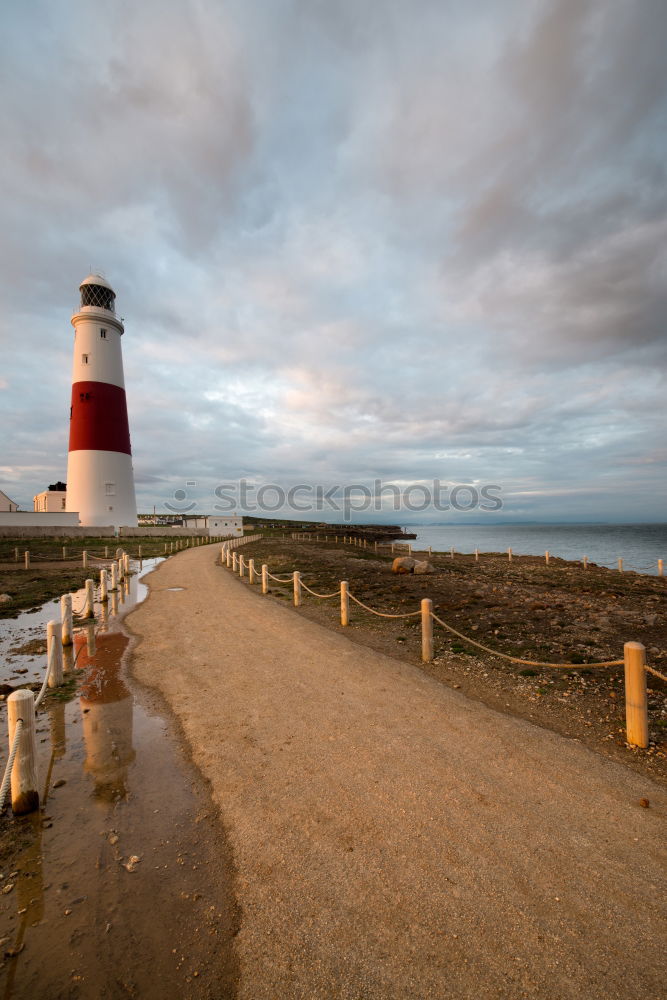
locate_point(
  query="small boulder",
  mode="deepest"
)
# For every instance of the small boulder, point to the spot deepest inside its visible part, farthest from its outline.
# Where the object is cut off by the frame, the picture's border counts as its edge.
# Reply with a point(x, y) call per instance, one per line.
point(424, 567)
point(5, 599)
point(403, 564)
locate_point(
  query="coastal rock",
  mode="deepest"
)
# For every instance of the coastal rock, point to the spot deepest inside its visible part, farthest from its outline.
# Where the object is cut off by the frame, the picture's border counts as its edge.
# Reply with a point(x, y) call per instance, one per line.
point(424, 567)
point(5, 599)
point(403, 564)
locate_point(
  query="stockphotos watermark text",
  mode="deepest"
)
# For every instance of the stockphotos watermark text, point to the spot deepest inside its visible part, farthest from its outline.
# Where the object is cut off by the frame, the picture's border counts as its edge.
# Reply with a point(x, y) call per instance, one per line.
point(348, 500)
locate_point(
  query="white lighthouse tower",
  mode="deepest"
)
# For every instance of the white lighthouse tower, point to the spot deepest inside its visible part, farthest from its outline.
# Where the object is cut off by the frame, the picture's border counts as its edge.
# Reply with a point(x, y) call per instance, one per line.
point(100, 480)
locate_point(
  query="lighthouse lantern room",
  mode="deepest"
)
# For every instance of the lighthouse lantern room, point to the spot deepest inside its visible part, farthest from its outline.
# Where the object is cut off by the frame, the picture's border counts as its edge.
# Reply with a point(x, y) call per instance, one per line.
point(100, 479)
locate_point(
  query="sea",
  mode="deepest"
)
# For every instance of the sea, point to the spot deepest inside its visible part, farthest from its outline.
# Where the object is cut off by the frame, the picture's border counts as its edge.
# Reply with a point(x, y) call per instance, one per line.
point(638, 545)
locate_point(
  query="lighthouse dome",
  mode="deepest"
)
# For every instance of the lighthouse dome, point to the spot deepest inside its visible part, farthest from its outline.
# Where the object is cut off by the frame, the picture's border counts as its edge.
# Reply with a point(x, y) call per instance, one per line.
point(96, 291)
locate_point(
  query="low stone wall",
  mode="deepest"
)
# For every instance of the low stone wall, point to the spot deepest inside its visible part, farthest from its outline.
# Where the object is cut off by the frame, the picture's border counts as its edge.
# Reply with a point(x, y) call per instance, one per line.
point(38, 519)
point(66, 531)
point(52, 531)
point(165, 530)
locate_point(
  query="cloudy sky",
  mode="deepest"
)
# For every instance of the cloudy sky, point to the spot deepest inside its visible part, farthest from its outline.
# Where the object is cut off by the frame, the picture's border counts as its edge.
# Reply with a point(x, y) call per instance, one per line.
point(351, 239)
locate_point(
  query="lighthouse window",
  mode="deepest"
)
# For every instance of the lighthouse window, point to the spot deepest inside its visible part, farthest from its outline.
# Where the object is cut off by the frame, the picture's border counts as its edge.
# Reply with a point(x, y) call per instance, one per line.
point(103, 334)
point(110, 489)
point(84, 359)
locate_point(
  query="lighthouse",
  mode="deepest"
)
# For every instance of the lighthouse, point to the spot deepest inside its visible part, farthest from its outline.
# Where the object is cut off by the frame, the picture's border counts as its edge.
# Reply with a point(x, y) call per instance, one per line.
point(100, 479)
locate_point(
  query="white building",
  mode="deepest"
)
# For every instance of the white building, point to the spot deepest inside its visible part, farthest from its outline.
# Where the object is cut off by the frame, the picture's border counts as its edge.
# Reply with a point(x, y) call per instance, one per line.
point(6, 505)
point(51, 501)
point(221, 526)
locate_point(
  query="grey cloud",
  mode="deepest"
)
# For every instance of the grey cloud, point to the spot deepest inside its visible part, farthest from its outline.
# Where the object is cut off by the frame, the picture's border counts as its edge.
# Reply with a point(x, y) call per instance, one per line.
point(401, 238)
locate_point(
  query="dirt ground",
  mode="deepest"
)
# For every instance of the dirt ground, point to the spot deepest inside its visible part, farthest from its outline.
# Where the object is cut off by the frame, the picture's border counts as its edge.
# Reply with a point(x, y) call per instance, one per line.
point(391, 837)
point(557, 613)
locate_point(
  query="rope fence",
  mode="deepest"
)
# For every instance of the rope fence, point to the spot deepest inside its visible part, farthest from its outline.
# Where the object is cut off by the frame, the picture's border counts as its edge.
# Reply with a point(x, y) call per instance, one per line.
point(13, 750)
point(397, 548)
point(633, 661)
point(516, 659)
point(382, 614)
point(87, 556)
point(322, 597)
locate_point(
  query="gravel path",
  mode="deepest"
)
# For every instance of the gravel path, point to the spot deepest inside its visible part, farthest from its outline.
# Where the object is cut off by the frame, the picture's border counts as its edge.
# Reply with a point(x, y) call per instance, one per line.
point(393, 839)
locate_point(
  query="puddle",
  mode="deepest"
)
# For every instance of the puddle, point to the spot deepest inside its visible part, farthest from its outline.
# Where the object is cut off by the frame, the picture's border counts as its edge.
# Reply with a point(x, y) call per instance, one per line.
point(126, 831)
point(31, 625)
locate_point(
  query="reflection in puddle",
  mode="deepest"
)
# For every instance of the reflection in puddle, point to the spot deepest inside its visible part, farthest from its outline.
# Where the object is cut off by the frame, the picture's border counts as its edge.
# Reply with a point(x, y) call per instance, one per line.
point(106, 706)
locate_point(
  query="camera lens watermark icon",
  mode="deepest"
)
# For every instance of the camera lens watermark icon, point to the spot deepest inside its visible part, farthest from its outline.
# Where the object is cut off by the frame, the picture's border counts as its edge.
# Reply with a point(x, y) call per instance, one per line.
point(180, 496)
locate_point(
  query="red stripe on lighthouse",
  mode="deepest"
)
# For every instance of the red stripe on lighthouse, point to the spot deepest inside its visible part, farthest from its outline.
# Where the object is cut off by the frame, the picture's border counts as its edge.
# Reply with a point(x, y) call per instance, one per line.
point(98, 418)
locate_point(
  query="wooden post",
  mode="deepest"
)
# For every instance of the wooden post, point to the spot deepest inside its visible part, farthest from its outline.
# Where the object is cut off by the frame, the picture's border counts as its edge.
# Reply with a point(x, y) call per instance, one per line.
point(16, 554)
point(25, 797)
point(104, 596)
point(126, 563)
point(297, 588)
point(636, 705)
point(241, 565)
point(119, 553)
point(620, 565)
point(166, 546)
point(64, 552)
point(26, 557)
point(251, 571)
point(476, 555)
point(451, 552)
point(660, 570)
point(106, 551)
point(427, 630)
point(140, 555)
point(114, 576)
point(84, 559)
point(89, 610)
point(392, 548)
point(121, 569)
point(229, 557)
point(54, 653)
point(235, 560)
point(585, 562)
point(430, 551)
point(344, 603)
point(509, 555)
point(66, 618)
point(265, 578)
point(409, 548)
point(546, 557)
